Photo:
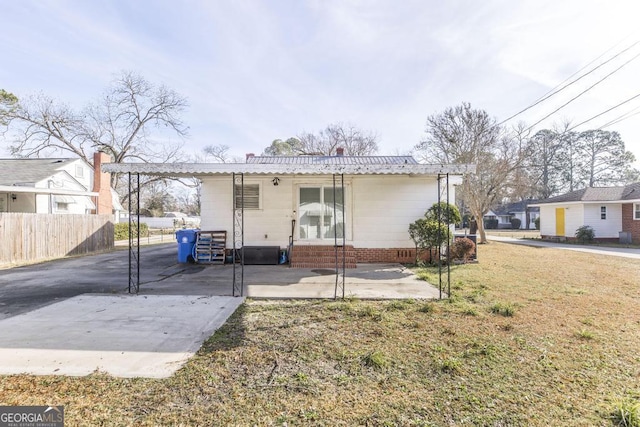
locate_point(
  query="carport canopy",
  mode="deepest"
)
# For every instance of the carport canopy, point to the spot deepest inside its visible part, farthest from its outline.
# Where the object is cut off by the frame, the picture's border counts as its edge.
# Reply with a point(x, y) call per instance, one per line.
point(314, 165)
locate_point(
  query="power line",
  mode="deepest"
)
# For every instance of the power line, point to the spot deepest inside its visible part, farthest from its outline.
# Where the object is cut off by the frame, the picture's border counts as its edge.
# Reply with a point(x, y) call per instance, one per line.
point(625, 116)
point(582, 93)
point(555, 91)
point(605, 112)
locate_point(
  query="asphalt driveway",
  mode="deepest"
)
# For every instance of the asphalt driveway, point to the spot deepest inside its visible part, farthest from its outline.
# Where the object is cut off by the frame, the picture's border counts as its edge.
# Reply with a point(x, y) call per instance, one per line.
point(27, 288)
point(74, 316)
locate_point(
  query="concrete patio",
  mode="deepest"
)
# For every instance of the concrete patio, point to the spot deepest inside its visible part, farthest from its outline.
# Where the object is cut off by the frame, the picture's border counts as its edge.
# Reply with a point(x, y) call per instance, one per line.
point(368, 281)
point(74, 316)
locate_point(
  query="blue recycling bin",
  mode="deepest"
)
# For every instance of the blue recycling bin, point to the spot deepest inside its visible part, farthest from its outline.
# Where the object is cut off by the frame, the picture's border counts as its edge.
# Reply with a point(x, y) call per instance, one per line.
point(186, 241)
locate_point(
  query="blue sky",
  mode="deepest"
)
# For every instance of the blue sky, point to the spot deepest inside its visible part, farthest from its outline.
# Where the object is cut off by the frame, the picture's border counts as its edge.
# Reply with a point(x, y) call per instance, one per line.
point(254, 71)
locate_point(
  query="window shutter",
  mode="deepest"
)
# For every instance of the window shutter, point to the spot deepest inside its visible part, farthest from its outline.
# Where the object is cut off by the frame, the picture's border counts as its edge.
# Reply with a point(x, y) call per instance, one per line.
point(251, 196)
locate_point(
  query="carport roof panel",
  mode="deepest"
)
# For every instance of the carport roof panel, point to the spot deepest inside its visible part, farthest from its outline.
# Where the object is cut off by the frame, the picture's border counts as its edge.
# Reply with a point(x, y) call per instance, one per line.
point(203, 169)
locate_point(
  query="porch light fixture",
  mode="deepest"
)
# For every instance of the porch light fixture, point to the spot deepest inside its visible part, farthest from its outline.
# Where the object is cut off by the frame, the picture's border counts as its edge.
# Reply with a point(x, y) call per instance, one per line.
point(275, 181)
point(13, 197)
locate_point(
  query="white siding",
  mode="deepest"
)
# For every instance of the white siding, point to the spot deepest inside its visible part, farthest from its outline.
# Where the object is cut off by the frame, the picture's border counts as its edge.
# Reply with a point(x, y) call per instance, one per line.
point(85, 177)
point(547, 220)
point(573, 219)
point(379, 209)
point(383, 208)
point(43, 203)
point(604, 228)
point(577, 215)
point(269, 225)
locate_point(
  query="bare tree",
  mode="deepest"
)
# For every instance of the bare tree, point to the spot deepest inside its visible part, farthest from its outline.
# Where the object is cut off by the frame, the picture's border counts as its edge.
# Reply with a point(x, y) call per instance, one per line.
point(354, 141)
point(218, 154)
point(120, 124)
point(464, 135)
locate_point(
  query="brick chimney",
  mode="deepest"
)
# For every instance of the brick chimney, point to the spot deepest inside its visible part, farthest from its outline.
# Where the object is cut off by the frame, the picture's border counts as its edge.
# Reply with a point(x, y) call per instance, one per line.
point(339, 151)
point(249, 155)
point(102, 184)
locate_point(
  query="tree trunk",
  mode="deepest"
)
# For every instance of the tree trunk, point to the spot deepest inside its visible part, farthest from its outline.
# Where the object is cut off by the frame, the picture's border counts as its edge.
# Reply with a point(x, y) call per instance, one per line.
point(483, 235)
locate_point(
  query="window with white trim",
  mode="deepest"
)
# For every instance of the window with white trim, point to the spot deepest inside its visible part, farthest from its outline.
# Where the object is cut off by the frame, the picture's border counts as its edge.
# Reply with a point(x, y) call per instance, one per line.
point(249, 197)
point(79, 171)
point(319, 217)
point(603, 212)
point(636, 211)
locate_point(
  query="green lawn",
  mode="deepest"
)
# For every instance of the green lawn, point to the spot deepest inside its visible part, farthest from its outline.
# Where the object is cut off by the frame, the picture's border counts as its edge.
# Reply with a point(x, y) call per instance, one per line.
point(532, 337)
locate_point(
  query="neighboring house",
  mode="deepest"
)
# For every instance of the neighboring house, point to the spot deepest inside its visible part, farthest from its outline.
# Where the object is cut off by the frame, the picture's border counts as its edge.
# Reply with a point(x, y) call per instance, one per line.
point(58, 186)
point(500, 214)
point(612, 212)
point(520, 210)
point(293, 198)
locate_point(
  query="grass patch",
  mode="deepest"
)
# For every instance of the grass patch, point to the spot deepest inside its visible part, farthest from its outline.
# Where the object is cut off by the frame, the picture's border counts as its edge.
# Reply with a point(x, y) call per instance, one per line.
point(450, 365)
point(585, 334)
point(503, 309)
point(626, 413)
point(429, 307)
point(400, 304)
point(375, 359)
point(403, 362)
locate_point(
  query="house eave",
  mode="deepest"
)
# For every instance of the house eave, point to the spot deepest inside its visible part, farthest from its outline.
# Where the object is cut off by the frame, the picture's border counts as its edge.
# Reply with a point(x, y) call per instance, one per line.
point(584, 202)
point(211, 169)
point(37, 190)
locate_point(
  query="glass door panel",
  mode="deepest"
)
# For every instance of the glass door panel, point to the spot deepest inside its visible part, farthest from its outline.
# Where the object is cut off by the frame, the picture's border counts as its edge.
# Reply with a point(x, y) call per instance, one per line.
point(316, 213)
point(330, 224)
point(309, 213)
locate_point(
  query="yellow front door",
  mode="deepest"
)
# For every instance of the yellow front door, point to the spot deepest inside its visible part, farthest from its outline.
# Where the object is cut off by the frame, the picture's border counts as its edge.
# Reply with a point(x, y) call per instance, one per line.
point(559, 221)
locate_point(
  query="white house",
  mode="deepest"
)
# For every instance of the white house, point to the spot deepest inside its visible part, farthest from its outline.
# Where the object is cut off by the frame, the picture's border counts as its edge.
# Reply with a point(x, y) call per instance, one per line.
point(612, 212)
point(58, 186)
point(522, 210)
point(292, 199)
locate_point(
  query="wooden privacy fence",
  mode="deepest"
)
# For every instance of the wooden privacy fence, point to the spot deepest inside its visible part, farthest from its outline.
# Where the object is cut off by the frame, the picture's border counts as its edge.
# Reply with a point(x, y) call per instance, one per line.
point(29, 237)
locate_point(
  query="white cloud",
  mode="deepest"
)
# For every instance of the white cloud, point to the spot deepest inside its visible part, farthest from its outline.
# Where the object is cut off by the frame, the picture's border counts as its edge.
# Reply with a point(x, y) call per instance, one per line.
point(256, 71)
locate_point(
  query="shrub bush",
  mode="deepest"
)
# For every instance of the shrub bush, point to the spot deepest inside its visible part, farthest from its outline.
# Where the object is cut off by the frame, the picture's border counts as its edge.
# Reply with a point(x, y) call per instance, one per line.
point(537, 223)
point(585, 234)
point(445, 212)
point(122, 230)
point(463, 249)
point(491, 224)
point(515, 223)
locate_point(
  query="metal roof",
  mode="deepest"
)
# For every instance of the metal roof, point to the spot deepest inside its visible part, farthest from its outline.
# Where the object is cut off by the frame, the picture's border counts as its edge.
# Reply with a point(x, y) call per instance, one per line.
point(629, 192)
point(28, 171)
point(203, 169)
point(333, 160)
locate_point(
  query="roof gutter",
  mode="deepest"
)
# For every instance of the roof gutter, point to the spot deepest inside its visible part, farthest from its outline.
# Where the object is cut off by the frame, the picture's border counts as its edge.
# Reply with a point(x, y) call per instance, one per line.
point(36, 190)
point(204, 169)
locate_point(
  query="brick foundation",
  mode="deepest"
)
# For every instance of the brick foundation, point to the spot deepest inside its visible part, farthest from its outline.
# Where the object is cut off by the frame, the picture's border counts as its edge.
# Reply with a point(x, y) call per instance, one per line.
point(316, 256)
point(629, 224)
point(385, 255)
